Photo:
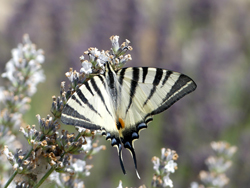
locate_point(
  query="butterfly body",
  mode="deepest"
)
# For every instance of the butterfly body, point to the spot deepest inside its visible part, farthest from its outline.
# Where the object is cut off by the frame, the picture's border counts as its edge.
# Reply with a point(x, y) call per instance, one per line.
point(123, 102)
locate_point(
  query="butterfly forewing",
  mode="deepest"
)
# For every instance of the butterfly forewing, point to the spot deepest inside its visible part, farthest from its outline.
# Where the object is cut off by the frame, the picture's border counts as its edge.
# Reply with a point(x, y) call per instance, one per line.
point(91, 106)
point(155, 91)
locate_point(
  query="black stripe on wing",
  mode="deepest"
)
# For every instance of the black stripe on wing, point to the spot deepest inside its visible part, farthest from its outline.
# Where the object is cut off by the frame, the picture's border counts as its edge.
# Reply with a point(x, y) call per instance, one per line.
point(96, 88)
point(89, 89)
point(133, 85)
point(121, 77)
point(71, 117)
point(110, 76)
point(144, 73)
point(157, 79)
point(77, 101)
point(168, 73)
point(85, 101)
point(182, 87)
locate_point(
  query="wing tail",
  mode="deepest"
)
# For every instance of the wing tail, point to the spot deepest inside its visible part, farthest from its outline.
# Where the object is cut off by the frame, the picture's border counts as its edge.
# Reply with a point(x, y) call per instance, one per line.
point(128, 146)
point(120, 158)
point(115, 142)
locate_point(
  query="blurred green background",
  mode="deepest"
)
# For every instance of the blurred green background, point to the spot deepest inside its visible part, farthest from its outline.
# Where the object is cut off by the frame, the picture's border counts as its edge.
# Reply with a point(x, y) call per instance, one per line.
point(209, 40)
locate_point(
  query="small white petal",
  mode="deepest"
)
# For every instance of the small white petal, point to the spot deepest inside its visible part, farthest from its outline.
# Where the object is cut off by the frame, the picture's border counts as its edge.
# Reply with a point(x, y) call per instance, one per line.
point(194, 185)
point(120, 184)
point(2, 96)
point(17, 54)
point(55, 176)
point(79, 185)
point(82, 58)
point(170, 167)
point(88, 146)
point(79, 165)
point(167, 181)
point(86, 67)
point(115, 42)
point(156, 163)
point(40, 58)
point(163, 150)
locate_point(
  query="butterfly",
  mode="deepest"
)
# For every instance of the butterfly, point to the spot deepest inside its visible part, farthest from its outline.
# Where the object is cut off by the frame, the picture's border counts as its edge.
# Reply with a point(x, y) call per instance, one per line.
point(122, 102)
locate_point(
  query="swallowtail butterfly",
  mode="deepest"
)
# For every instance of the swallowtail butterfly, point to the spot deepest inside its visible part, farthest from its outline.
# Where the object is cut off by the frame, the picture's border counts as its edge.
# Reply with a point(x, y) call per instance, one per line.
point(123, 102)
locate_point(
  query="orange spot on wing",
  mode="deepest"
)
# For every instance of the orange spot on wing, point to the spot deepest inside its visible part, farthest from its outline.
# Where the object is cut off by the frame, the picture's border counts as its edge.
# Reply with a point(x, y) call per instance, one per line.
point(122, 123)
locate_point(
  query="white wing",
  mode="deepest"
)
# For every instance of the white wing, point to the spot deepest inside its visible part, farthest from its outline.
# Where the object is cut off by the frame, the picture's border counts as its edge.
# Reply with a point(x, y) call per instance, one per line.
point(91, 106)
point(149, 91)
point(146, 92)
point(122, 103)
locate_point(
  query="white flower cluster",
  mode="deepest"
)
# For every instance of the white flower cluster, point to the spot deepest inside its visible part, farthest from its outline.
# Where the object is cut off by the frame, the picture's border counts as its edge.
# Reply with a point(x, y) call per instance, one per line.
point(97, 60)
point(80, 169)
point(217, 166)
point(23, 71)
point(224, 148)
point(90, 146)
point(120, 185)
point(164, 167)
point(24, 68)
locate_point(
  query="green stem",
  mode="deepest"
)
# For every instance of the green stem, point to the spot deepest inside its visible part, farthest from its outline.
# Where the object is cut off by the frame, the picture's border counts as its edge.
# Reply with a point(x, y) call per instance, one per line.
point(10, 180)
point(88, 154)
point(78, 136)
point(44, 177)
point(28, 154)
